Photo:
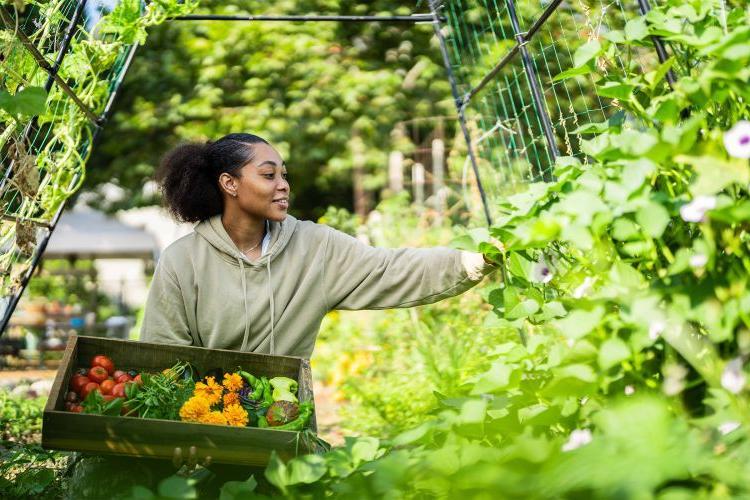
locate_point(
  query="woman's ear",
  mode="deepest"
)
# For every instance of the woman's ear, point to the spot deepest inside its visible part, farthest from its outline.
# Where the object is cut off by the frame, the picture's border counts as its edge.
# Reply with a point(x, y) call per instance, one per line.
point(228, 184)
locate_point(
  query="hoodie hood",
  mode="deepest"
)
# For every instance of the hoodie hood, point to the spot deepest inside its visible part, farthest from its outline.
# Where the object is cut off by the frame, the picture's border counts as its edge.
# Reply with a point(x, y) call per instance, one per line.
point(213, 231)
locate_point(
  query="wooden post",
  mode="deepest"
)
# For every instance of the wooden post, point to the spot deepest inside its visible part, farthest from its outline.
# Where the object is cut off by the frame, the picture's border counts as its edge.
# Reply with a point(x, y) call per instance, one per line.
point(396, 171)
point(438, 176)
point(417, 179)
point(362, 201)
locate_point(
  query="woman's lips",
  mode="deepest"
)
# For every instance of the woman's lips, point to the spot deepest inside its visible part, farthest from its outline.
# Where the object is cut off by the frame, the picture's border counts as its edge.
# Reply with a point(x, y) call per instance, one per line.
point(282, 203)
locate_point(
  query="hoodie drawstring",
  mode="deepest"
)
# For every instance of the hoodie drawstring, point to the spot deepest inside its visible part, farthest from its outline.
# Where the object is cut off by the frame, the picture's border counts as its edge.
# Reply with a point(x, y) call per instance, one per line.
point(270, 298)
point(247, 313)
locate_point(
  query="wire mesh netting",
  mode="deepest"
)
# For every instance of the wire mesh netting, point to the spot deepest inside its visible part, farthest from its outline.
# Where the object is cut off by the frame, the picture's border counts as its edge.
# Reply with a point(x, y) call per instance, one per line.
point(501, 52)
point(74, 61)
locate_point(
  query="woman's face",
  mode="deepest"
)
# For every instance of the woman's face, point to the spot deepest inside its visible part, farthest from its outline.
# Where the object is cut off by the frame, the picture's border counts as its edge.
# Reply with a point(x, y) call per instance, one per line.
point(261, 185)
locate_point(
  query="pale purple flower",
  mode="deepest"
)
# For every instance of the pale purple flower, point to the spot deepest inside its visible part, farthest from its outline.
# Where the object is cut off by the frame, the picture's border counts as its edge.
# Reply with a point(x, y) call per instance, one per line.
point(583, 288)
point(541, 273)
point(728, 427)
point(698, 260)
point(577, 438)
point(655, 328)
point(737, 140)
point(629, 390)
point(732, 378)
point(695, 211)
point(674, 379)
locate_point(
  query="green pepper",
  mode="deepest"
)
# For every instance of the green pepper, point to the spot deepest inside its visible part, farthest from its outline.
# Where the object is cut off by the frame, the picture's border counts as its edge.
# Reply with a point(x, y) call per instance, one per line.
point(250, 379)
point(284, 389)
point(267, 397)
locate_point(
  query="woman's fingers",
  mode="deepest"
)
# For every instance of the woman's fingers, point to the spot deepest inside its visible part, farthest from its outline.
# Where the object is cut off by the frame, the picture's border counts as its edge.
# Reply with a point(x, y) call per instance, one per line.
point(177, 457)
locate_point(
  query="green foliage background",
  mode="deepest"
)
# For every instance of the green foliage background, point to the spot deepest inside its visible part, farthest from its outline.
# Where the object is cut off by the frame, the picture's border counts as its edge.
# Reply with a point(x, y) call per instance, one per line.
point(320, 92)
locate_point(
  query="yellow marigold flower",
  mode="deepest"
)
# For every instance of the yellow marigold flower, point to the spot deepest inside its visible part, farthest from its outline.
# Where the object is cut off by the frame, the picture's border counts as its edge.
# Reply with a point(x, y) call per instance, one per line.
point(231, 398)
point(210, 391)
point(214, 417)
point(235, 415)
point(194, 409)
point(233, 381)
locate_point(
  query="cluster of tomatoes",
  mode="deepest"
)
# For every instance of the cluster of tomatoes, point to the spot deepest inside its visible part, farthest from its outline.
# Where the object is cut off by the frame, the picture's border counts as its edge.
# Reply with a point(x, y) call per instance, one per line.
point(102, 377)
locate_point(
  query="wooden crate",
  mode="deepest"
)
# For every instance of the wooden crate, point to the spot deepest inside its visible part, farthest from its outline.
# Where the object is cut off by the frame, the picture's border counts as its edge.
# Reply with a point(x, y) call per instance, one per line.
point(146, 437)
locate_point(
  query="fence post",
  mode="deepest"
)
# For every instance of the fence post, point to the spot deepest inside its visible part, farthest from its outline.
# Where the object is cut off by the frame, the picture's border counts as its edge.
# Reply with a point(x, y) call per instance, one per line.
point(396, 171)
point(438, 178)
point(417, 179)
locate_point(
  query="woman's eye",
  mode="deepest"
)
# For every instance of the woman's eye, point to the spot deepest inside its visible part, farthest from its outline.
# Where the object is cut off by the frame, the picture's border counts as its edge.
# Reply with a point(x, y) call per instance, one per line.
point(285, 175)
point(268, 176)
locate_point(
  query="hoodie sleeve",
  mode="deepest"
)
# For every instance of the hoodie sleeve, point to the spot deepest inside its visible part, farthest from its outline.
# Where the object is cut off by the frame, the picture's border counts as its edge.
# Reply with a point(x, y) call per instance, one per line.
point(359, 276)
point(165, 319)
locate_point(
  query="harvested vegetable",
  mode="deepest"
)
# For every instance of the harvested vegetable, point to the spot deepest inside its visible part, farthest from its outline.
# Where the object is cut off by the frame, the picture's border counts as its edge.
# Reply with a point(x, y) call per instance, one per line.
point(284, 389)
point(282, 412)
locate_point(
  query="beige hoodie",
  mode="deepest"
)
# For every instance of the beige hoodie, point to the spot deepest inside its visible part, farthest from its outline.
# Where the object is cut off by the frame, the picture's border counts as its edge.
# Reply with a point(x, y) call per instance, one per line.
point(206, 293)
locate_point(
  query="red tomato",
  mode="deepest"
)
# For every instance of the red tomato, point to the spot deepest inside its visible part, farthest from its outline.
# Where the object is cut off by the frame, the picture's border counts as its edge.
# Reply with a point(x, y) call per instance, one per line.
point(106, 386)
point(98, 374)
point(138, 380)
point(118, 390)
point(77, 382)
point(123, 378)
point(108, 397)
point(117, 374)
point(104, 362)
point(91, 386)
point(77, 409)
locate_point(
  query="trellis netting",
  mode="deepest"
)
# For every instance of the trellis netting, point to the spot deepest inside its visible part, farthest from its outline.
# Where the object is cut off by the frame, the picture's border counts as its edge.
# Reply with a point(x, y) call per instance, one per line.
point(523, 99)
point(61, 64)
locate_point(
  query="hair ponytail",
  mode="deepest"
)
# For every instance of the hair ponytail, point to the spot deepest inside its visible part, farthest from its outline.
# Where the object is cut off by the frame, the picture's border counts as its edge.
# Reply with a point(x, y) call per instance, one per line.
point(188, 174)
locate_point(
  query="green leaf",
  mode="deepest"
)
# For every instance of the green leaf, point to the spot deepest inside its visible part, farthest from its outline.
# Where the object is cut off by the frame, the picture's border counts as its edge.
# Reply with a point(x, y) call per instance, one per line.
point(580, 322)
point(653, 218)
point(306, 469)
point(499, 377)
point(586, 52)
point(238, 490)
point(615, 90)
point(715, 174)
point(177, 487)
point(612, 352)
point(277, 472)
point(473, 411)
point(30, 101)
point(570, 73)
point(636, 29)
point(625, 229)
point(523, 310)
point(520, 266)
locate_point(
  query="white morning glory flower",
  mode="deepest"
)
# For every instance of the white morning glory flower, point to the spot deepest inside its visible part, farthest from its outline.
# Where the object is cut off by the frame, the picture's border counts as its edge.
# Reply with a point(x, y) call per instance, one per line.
point(737, 140)
point(583, 288)
point(732, 378)
point(577, 439)
point(541, 273)
point(695, 211)
point(655, 328)
point(698, 260)
point(629, 390)
point(728, 427)
point(674, 379)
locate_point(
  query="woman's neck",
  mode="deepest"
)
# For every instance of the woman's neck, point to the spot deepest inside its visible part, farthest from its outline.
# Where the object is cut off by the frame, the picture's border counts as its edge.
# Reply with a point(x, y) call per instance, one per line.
point(247, 233)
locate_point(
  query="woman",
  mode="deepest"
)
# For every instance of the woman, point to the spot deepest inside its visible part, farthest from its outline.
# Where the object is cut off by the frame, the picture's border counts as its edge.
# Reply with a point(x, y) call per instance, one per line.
point(253, 278)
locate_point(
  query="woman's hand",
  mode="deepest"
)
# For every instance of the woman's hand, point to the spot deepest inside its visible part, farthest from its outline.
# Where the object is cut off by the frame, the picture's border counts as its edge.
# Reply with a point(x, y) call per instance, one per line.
point(493, 259)
point(191, 462)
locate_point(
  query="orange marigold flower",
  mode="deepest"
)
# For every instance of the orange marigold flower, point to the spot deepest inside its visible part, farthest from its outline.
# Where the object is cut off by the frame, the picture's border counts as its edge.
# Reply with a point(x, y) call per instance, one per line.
point(194, 409)
point(210, 390)
point(235, 415)
point(231, 398)
point(214, 417)
point(233, 381)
